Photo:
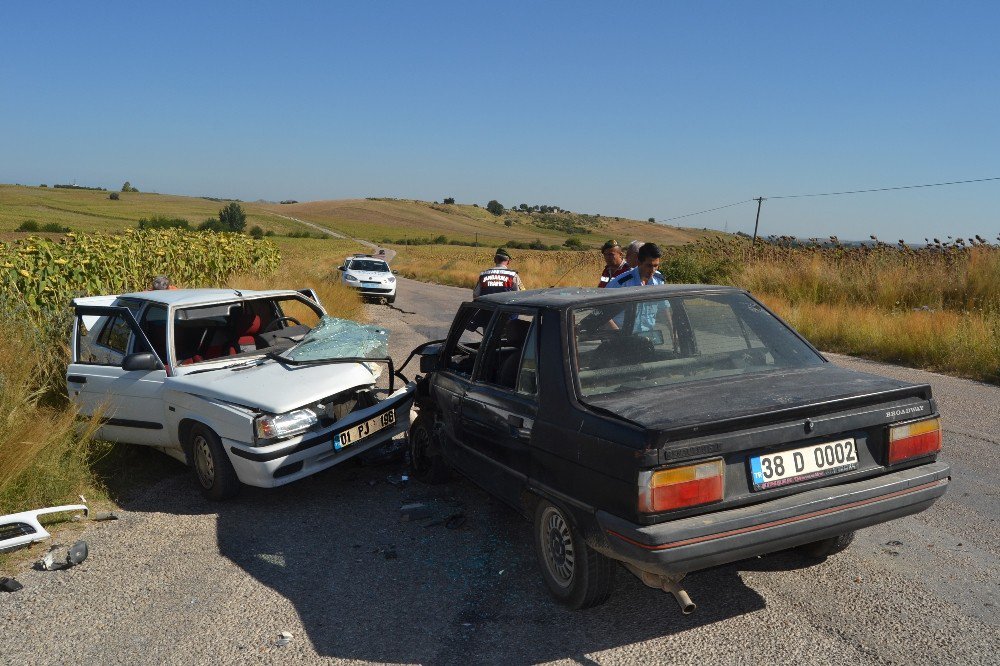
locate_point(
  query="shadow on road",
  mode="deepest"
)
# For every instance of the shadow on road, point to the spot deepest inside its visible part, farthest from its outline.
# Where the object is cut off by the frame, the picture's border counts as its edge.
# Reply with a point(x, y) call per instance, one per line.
point(370, 586)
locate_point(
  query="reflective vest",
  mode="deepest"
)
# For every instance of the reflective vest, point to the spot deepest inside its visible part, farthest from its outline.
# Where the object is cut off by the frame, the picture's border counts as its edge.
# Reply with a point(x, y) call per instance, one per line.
point(497, 280)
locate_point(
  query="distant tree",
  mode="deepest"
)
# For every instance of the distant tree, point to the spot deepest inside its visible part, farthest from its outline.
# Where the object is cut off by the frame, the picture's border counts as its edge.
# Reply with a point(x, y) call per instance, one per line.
point(233, 218)
point(43, 185)
point(495, 207)
point(652, 219)
point(127, 187)
point(475, 205)
point(573, 243)
point(28, 225)
point(449, 200)
point(256, 232)
point(523, 206)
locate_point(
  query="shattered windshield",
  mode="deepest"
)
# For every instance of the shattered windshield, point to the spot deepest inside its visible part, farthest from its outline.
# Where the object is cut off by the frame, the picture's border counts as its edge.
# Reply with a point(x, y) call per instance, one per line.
point(336, 338)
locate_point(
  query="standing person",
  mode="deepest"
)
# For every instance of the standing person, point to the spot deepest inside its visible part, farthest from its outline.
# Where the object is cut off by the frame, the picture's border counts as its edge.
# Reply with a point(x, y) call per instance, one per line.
point(498, 279)
point(632, 253)
point(614, 261)
point(645, 274)
point(162, 282)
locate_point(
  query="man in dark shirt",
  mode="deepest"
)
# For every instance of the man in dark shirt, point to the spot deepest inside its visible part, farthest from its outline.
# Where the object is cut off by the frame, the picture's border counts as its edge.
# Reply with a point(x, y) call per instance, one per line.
point(614, 261)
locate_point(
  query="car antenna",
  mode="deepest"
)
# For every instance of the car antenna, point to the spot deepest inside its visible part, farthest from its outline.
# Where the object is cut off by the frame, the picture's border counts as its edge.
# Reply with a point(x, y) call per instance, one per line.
point(238, 293)
point(571, 268)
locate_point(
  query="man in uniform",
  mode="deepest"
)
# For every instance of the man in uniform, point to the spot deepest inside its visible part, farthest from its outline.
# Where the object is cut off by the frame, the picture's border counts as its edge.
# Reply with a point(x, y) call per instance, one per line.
point(644, 274)
point(498, 279)
point(614, 261)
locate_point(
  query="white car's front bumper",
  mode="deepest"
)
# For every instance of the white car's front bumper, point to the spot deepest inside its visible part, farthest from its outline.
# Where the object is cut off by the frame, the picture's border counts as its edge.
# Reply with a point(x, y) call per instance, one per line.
point(303, 455)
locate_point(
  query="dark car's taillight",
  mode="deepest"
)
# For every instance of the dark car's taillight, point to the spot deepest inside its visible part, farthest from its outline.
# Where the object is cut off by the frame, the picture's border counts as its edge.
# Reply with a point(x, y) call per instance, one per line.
point(681, 487)
point(912, 440)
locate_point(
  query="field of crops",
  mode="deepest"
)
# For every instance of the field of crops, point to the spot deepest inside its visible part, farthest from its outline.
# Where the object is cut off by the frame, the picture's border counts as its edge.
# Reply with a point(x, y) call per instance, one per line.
point(935, 307)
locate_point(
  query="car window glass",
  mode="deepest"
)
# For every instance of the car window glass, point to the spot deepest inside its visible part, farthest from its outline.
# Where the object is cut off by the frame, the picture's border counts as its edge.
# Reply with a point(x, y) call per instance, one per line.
point(467, 339)
point(659, 342)
point(502, 355)
point(296, 309)
point(368, 265)
point(527, 381)
point(103, 344)
point(154, 326)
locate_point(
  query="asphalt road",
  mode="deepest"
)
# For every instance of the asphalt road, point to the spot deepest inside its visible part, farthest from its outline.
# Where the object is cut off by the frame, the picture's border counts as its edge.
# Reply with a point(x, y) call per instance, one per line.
point(182, 580)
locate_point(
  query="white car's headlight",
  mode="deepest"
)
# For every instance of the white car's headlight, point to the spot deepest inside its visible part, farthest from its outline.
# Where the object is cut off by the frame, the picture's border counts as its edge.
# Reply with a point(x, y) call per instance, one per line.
point(277, 426)
point(390, 280)
point(350, 278)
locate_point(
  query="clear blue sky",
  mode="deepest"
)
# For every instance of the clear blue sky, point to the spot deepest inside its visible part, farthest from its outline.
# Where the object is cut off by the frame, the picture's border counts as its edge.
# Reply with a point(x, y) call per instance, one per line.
point(640, 109)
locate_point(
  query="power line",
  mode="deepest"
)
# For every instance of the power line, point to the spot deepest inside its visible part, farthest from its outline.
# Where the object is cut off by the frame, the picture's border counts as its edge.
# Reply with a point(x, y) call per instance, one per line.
point(831, 194)
point(707, 211)
point(883, 189)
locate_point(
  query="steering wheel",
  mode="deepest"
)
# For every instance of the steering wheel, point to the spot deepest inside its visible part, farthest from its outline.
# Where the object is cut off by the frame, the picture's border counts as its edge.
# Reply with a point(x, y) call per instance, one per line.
point(273, 324)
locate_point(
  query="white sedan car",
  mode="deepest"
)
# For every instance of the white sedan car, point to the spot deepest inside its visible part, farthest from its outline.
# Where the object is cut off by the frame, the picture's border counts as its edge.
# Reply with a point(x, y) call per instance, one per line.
point(369, 275)
point(247, 387)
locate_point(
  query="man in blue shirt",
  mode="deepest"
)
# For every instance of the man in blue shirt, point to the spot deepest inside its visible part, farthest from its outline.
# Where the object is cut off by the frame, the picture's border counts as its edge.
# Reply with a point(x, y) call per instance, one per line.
point(644, 274)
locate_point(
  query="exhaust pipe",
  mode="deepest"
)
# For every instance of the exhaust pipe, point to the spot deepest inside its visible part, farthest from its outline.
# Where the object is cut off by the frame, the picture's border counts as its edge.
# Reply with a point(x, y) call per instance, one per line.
point(667, 584)
point(680, 595)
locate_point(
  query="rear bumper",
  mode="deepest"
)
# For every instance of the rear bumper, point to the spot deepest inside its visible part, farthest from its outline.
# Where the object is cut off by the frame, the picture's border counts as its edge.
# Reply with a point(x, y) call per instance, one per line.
point(708, 540)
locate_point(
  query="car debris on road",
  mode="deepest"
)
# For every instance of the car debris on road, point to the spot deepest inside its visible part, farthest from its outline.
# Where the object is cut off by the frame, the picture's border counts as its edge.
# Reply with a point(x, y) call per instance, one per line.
point(21, 529)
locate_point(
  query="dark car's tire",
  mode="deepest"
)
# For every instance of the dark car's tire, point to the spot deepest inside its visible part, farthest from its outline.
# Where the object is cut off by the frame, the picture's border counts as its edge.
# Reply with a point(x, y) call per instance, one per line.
point(426, 465)
point(824, 548)
point(576, 575)
point(213, 471)
point(391, 299)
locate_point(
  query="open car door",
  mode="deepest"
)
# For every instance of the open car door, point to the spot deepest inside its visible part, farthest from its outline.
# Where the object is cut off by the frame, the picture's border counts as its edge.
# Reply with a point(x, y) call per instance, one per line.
point(116, 374)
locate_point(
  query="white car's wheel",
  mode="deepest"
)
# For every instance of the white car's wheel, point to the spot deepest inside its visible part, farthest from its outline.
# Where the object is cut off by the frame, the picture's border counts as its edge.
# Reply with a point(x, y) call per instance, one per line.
point(212, 469)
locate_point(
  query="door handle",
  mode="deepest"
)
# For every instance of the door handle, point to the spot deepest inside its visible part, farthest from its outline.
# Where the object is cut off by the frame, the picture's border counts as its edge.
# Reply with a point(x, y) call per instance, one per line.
point(515, 421)
point(76, 379)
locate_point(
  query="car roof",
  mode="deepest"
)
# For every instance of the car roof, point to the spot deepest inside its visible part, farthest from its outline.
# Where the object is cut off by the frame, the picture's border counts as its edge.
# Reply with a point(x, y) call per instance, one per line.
point(564, 297)
point(188, 297)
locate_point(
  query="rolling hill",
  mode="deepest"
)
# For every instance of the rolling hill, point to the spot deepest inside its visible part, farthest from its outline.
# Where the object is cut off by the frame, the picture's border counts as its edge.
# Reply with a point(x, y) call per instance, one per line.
point(380, 220)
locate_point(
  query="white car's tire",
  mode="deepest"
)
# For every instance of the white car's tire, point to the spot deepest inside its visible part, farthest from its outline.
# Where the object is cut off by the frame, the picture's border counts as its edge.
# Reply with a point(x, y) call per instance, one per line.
point(213, 471)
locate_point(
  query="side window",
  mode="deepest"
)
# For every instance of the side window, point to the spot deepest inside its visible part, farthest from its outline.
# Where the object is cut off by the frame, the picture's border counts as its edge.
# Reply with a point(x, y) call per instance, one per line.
point(527, 379)
point(466, 339)
point(154, 326)
point(502, 358)
point(115, 335)
point(717, 329)
point(102, 341)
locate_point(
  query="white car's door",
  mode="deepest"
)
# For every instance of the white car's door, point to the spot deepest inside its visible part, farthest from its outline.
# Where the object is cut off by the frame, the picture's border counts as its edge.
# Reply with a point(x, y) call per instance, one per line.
point(106, 341)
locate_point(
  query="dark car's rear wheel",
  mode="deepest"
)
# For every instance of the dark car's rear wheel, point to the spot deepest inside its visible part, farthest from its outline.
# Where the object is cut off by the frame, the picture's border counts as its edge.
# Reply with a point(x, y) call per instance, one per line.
point(426, 463)
point(212, 470)
point(824, 548)
point(576, 575)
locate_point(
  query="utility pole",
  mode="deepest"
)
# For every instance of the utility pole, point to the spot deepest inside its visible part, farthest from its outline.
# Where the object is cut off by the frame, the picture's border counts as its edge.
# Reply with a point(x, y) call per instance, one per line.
point(756, 222)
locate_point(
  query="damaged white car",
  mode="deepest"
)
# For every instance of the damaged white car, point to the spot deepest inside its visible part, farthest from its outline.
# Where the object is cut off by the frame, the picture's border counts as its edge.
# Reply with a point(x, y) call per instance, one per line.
point(246, 387)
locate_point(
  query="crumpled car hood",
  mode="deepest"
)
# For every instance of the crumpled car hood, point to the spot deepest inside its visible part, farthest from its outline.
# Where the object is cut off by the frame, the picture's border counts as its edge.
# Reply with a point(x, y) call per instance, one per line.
point(271, 386)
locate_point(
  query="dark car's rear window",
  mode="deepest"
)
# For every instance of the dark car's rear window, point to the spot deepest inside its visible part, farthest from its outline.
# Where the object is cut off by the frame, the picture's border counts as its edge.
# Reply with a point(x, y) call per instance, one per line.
point(668, 341)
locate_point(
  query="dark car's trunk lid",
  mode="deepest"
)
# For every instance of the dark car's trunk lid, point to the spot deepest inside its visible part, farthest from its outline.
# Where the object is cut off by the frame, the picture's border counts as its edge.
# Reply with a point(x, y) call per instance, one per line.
point(724, 404)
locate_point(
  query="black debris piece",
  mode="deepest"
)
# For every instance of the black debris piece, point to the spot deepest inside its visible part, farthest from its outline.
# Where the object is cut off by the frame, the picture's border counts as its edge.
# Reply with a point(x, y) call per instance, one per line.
point(10, 585)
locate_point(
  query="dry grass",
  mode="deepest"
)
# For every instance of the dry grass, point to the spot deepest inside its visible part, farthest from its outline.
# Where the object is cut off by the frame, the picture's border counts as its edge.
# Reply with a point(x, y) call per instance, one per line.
point(43, 454)
point(966, 344)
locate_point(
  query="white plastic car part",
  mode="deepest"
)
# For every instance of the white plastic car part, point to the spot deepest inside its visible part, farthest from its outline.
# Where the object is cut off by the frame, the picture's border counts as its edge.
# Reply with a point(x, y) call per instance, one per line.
point(20, 529)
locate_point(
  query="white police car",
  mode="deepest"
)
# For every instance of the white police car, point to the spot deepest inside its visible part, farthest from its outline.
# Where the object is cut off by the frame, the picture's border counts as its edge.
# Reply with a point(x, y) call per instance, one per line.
point(369, 275)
